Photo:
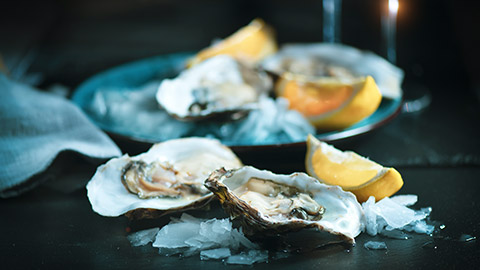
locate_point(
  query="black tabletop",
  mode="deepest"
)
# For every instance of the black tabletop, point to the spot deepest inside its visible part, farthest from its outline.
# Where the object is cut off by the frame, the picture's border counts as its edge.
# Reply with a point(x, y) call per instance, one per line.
point(437, 149)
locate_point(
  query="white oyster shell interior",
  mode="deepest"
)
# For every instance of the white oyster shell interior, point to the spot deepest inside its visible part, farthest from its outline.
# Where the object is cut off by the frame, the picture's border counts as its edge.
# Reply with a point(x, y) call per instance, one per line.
point(343, 214)
point(196, 156)
point(218, 84)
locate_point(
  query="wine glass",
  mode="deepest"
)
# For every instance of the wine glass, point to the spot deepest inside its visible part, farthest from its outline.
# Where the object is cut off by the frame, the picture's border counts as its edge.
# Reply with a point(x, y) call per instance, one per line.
point(418, 97)
point(389, 29)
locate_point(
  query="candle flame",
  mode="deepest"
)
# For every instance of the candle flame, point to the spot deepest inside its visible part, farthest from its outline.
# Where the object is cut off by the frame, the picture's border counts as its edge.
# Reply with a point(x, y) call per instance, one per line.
point(393, 6)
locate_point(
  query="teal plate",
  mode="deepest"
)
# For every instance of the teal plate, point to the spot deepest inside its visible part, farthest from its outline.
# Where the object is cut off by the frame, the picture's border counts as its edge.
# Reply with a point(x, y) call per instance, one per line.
point(140, 72)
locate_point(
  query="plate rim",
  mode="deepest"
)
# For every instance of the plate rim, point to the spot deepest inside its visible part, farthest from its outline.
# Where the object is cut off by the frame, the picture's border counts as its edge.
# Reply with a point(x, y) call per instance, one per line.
point(85, 88)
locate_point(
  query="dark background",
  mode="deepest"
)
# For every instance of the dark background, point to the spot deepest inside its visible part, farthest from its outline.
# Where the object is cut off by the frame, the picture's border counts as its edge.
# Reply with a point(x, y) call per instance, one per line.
point(436, 150)
point(65, 42)
point(68, 41)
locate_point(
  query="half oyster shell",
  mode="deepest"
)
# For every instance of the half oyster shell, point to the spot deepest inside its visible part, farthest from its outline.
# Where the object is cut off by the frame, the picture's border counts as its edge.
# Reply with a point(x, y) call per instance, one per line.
point(335, 60)
point(268, 203)
point(219, 85)
point(167, 178)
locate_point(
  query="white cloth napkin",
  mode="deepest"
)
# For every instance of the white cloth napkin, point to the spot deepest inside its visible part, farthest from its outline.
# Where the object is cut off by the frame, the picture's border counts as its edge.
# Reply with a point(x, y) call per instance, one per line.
point(34, 128)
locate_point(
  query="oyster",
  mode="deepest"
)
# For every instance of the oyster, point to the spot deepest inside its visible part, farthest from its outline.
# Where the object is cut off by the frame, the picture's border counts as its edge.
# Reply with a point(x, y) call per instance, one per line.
point(219, 85)
point(334, 60)
point(310, 67)
point(269, 203)
point(169, 177)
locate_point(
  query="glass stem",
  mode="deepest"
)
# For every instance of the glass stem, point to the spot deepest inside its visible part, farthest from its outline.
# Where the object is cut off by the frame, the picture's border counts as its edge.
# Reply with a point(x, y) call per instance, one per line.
point(389, 29)
point(331, 20)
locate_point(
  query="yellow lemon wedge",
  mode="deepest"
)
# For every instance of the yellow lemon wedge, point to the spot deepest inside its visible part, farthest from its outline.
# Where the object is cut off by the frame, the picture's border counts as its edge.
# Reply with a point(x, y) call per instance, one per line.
point(330, 102)
point(250, 43)
point(350, 171)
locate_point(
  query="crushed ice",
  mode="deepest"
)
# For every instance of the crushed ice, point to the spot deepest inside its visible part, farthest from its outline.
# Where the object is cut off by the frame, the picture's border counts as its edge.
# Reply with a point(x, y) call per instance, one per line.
point(210, 238)
point(216, 239)
point(135, 112)
point(389, 214)
point(144, 237)
point(375, 245)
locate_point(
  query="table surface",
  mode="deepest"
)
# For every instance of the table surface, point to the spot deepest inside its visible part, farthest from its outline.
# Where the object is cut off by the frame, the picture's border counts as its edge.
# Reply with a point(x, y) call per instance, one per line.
point(437, 150)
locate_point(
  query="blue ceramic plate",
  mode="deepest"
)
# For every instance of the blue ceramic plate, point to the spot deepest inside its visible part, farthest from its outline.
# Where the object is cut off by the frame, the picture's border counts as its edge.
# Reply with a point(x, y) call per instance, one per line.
point(139, 73)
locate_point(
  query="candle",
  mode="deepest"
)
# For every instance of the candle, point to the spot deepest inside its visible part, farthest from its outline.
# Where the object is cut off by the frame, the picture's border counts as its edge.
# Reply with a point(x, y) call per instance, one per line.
point(389, 24)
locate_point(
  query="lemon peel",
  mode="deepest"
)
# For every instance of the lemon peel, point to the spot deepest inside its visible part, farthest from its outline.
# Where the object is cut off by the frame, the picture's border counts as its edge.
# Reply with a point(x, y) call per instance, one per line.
point(350, 171)
point(329, 102)
point(250, 44)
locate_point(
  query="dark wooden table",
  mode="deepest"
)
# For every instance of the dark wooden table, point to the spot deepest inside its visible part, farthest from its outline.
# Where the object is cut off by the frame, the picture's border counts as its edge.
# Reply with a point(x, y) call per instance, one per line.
point(437, 150)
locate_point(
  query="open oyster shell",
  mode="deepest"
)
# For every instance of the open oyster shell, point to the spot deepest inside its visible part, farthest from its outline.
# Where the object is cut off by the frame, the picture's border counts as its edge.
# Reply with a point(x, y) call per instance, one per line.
point(217, 86)
point(268, 203)
point(336, 60)
point(167, 178)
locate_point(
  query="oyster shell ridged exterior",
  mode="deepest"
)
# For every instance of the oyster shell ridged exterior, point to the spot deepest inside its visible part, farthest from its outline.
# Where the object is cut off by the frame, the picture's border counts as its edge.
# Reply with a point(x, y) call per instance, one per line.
point(343, 215)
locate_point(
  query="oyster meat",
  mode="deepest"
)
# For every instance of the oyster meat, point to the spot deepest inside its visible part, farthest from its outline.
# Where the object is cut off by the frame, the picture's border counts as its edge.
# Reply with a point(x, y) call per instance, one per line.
point(310, 67)
point(219, 85)
point(269, 203)
point(169, 177)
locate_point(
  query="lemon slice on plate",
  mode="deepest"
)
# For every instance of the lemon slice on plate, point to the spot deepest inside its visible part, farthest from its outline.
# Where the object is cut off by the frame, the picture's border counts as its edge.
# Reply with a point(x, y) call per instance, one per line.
point(330, 102)
point(250, 43)
point(350, 171)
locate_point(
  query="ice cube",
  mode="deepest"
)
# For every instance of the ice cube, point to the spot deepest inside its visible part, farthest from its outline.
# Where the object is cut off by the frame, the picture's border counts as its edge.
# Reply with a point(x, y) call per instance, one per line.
point(200, 243)
point(420, 226)
point(188, 218)
point(370, 216)
point(391, 214)
point(248, 257)
point(375, 245)
point(272, 122)
point(218, 253)
point(143, 237)
point(215, 226)
point(221, 225)
point(213, 239)
point(405, 200)
point(423, 213)
point(395, 215)
point(174, 235)
point(240, 238)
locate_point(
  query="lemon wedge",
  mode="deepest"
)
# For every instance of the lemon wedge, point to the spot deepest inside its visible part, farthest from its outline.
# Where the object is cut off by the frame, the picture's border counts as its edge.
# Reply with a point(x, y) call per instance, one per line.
point(330, 102)
point(250, 43)
point(350, 171)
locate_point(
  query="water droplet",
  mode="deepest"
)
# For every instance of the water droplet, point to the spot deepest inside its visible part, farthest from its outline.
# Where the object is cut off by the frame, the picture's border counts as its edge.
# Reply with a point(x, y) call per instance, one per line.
point(430, 245)
point(375, 245)
point(467, 238)
point(395, 234)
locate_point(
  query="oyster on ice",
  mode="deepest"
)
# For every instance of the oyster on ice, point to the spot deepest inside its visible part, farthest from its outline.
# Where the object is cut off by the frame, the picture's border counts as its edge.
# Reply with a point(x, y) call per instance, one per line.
point(169, 177)
point(217, 86)
point(269, 203)
point(315, 60)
